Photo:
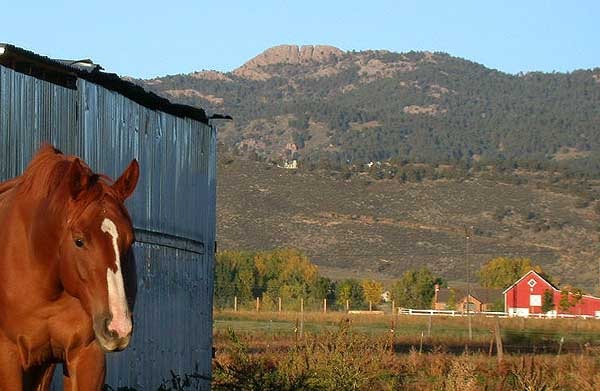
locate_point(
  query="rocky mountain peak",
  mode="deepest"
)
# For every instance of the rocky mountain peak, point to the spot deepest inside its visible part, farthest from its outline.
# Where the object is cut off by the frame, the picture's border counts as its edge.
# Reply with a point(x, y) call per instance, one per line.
point(287, 54)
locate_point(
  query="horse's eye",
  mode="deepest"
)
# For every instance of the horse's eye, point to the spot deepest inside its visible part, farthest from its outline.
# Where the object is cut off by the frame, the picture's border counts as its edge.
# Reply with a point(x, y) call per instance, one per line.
point(79, 242)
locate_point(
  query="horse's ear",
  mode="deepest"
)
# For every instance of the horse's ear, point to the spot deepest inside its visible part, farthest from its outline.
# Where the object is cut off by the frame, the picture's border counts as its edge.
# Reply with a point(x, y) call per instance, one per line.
point(77, 178)
point(127, 182)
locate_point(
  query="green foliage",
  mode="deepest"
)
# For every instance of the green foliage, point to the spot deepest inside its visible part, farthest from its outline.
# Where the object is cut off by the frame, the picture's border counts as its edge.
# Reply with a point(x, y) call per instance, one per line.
point(497, 305)
point(569, 297)
point(502, 272)
point(372, 290)
point(324, 289)
point(252, 373)
point(548, 301)
point(285, 273)
point(300, 122)
point(336, 360)
point(415, 289)
point(565, 303)
point(352, 291)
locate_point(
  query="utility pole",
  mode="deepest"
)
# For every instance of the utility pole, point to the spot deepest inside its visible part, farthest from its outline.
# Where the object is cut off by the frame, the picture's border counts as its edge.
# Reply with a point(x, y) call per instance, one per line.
point(598, 256)
point(467, 239)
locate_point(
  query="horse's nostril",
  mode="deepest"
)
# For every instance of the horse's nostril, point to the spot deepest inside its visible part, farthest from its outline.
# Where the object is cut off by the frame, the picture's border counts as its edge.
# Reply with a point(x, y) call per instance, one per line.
point(121, 327)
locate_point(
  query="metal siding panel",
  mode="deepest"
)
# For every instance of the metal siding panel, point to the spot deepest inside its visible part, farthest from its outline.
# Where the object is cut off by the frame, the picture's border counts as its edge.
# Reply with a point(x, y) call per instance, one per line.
point(32, 111)
point(179, 339)
point(175, 197)
point(174, 205)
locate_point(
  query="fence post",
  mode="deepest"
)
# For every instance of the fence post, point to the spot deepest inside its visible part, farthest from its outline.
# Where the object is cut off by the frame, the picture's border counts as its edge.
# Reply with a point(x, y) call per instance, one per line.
point(392, 332)
point(235, 303)
point(257, 304)
point(324, 306)
point(301, 317)
point(347, 305)
point(499, 348)
point(370, 305)
point(296, 331)
point(279, 302)
point(429, 324)
point(393, 306)
point(562, 340)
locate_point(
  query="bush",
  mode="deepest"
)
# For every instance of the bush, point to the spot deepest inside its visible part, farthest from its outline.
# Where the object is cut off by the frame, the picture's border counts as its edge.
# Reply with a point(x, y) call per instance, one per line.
point(335, 360)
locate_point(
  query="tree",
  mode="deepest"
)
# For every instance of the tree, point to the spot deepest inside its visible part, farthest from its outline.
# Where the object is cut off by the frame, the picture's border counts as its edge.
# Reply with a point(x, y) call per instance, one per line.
point(285, 273)
point(548, 301)
point(502, 272)
point(415, 289)
point(577, 295)
point(352, 291)
point(372, 291)
point(564, 303)
point(324, 289)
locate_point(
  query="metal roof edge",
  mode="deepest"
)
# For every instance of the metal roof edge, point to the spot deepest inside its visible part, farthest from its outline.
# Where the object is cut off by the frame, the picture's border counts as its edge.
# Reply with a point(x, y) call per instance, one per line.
point(107, 80)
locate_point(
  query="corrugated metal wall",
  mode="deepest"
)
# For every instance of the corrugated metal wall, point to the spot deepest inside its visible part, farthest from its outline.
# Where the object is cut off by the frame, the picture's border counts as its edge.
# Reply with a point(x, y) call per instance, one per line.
point(173, 210)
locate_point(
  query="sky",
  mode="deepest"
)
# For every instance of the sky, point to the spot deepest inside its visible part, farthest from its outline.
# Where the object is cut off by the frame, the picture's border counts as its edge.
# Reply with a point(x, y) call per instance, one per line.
point(155, 38)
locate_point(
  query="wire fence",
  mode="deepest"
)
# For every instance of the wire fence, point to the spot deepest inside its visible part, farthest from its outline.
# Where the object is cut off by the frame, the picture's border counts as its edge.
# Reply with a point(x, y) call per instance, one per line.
point(421, 330)
point(346, 306)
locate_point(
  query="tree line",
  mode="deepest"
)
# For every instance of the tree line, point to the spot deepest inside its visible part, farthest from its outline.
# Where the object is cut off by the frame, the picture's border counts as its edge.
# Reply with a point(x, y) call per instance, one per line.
point(288, 275)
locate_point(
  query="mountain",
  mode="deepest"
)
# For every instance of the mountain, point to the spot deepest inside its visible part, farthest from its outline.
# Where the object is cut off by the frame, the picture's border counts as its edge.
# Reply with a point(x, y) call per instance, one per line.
point(398, 152)
point(316, 103)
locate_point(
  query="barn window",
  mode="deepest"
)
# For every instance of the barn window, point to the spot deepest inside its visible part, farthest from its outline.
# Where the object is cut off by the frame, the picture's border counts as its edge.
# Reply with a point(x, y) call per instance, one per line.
point(531, 283)
point(535, 300)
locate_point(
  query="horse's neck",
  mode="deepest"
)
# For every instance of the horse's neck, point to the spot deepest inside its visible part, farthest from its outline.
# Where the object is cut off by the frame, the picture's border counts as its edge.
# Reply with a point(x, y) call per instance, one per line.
point(24, 257)
point(5, 188)
point(7, 185)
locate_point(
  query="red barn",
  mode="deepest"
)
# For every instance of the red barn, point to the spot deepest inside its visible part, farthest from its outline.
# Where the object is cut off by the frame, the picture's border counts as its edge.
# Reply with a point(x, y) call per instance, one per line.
point(526, 296)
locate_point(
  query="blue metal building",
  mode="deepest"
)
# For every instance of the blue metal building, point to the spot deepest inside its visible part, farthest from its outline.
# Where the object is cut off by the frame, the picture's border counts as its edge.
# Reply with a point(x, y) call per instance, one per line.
point(108, 121)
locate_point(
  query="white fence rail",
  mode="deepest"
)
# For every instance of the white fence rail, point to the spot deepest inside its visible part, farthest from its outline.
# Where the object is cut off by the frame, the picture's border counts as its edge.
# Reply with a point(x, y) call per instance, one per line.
point(422, 312)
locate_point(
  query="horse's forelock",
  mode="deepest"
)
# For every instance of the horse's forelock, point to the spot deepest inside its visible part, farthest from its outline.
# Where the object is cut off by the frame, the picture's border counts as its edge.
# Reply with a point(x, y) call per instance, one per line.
point(97, 192)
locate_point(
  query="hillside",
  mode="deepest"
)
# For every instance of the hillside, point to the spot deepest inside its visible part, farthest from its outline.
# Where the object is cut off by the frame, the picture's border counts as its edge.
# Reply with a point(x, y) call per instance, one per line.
point(453, 144)
point(366, 227)
point(316, 103)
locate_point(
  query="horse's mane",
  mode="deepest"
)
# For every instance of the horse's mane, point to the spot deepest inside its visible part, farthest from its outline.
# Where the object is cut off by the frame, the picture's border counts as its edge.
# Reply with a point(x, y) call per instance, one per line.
point(48, 169)
point(7, 185)
point(44, 172)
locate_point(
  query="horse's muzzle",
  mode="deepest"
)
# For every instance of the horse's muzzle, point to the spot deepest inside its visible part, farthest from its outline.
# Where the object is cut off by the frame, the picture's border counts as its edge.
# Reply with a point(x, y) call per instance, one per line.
point(110, 341)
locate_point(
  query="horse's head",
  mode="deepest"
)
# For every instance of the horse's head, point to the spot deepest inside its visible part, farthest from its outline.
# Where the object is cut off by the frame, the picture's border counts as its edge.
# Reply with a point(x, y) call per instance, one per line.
point(96, 262)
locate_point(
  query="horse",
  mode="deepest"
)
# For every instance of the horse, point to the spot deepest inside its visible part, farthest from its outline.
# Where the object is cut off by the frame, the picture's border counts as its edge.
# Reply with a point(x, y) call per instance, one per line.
point(66, 270)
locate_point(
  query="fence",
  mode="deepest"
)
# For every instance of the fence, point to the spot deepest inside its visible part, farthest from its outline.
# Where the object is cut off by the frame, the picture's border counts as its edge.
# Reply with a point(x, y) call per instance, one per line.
point(326, 305)
point(551, 315)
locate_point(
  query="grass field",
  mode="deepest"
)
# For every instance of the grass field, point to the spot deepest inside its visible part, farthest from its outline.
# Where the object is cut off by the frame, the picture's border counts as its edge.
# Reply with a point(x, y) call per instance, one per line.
point(439, 329)
point(337, 352)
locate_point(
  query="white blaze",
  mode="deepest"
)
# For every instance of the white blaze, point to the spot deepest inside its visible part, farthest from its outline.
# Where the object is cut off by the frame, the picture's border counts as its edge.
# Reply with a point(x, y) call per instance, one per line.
point(117, 302)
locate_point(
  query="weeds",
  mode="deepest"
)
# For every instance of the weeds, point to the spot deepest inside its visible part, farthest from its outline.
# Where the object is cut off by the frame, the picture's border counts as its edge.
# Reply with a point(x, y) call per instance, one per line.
point(341, 358)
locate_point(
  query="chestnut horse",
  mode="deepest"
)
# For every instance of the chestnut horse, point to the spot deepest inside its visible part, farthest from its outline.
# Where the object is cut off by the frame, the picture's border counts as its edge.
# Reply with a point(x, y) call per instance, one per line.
point(65, 245)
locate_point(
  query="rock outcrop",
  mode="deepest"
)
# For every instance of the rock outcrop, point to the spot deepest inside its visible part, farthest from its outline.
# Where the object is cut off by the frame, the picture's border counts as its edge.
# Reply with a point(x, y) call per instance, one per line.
point(287, 54)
